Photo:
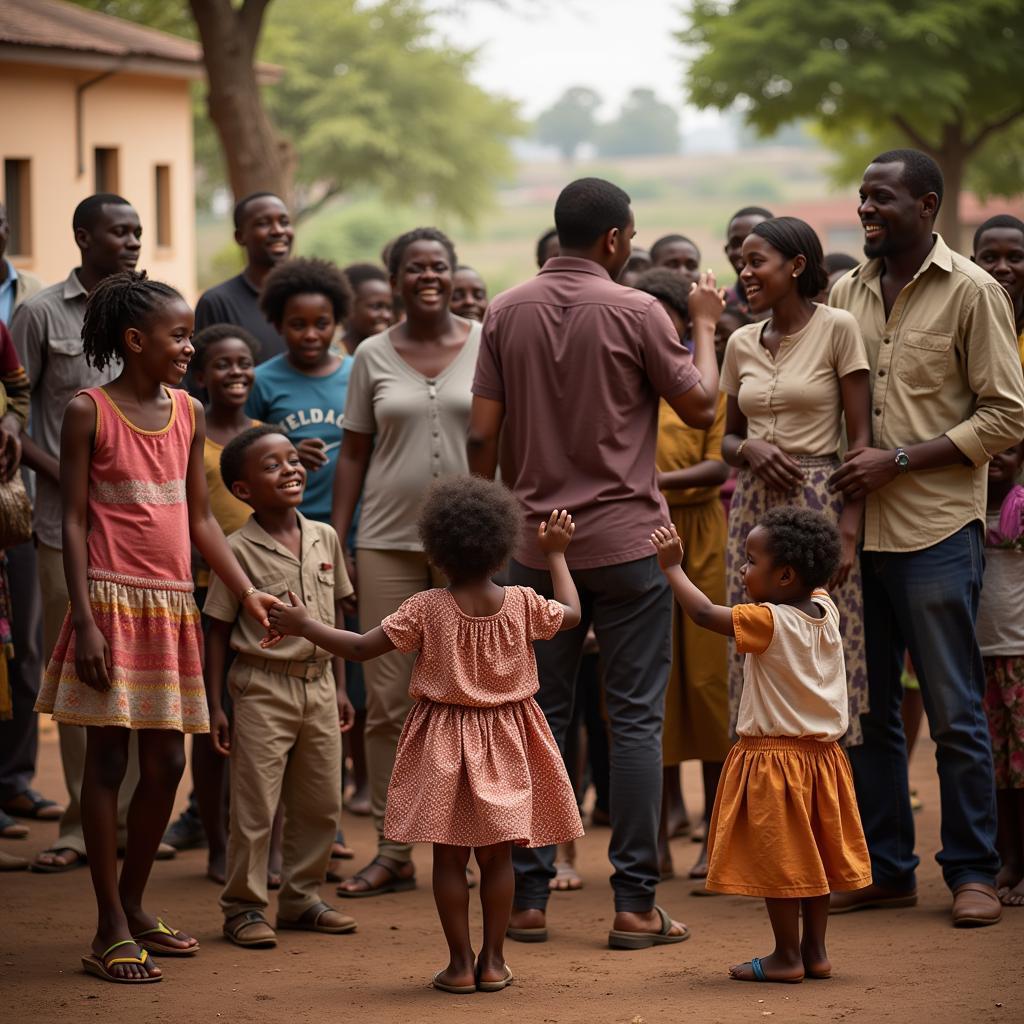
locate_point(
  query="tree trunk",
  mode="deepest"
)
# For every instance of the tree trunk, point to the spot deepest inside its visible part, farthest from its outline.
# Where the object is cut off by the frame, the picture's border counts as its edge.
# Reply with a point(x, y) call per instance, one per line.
point(952, 159)
point(257, 158)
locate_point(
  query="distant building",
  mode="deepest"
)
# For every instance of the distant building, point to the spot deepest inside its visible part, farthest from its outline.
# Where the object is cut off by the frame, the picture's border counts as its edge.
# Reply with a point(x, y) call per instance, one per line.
point(90, 104)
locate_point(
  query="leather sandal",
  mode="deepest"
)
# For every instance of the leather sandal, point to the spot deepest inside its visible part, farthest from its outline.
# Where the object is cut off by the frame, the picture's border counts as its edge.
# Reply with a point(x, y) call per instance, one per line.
point(250, 929)
point(976, 905)
point(394, 883)
point(310, 921)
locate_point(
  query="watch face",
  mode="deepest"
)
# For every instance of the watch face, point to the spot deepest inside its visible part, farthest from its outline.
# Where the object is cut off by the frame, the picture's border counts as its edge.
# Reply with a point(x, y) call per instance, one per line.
point(902, 460)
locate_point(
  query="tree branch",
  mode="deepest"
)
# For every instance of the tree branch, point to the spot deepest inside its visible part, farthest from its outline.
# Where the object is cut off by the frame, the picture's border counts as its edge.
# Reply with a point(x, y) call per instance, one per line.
point(319, 204)
point(250, 19)
point(995, 126)
point(912, 133)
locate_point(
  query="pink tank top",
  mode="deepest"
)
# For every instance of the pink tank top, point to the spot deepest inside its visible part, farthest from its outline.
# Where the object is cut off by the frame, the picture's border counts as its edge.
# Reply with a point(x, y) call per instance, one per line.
point(138, 514)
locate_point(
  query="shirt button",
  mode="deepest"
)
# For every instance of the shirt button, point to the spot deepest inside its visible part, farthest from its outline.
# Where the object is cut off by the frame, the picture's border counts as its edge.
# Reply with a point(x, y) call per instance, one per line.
point(878, 412)
point(887, 340)
point(881, 373)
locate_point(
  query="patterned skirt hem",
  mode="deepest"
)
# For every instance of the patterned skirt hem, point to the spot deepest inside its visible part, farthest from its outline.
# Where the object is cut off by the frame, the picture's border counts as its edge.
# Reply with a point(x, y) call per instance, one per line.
point(472, 842)
point(64, 718)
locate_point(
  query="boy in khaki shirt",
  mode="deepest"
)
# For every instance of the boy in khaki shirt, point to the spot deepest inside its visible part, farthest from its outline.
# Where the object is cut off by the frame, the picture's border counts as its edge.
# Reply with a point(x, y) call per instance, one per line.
point(289, 697)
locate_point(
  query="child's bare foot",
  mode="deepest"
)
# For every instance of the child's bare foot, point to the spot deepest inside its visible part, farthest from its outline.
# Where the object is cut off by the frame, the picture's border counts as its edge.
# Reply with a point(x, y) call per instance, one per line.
point(158, 937)
point(769, 968)
point(566, 878)
point(816, 961)
point(1012, 897)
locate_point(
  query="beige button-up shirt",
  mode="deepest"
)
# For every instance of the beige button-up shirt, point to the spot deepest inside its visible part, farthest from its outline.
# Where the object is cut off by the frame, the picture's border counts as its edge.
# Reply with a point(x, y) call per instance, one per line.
point(945, 362)
point(318, 578)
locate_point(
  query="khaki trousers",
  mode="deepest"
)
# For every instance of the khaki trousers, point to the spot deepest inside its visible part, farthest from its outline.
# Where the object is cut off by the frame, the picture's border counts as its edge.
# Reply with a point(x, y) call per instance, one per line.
point(54, 589)
point(386, 579)
point(285, 748)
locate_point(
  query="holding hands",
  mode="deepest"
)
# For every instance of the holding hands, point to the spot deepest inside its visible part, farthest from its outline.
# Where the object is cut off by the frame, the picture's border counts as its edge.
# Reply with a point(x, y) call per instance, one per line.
point(286, 620)
point(667, 543)
point(555, 534)
point(769, 462)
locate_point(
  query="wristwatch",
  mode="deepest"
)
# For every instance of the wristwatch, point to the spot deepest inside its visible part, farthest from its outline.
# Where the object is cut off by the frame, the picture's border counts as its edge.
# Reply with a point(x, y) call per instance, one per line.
point(902, 460)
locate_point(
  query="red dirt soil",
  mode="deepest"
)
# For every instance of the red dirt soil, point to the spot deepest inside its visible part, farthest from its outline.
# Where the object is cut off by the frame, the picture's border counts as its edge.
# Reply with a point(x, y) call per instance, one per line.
point(906, 965)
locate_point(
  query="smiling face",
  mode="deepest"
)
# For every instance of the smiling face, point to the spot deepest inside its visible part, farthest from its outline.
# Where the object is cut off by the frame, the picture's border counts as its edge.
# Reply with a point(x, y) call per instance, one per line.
point(893, 220)
point(1001, 252)
point(266, 233)
point(274, 477)
point(372, 311)
point(308, 328)
point(164, 346)
point(469, 294)
point(113, 243)
point(424, 279)
point(767, 275)
point(736, 235)
point(228, 373)
point(681, 258)
point(1005, 467)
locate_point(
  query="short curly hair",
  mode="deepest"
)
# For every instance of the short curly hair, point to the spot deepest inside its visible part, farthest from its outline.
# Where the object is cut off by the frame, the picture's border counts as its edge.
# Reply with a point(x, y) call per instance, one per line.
point(304, 277)
point(804, 539)
point(469, 526)
point(668, 288)
point(396, 250)
point(232, 459)
point(205, 339)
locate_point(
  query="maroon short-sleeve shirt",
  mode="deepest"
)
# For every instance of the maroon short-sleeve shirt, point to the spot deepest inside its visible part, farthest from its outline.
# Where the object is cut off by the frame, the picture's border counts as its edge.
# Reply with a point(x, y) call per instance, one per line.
point(579, 363)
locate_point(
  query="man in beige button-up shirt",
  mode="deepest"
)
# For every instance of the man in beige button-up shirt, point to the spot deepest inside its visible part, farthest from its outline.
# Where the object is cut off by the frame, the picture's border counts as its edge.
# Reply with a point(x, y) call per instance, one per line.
point(947, 396)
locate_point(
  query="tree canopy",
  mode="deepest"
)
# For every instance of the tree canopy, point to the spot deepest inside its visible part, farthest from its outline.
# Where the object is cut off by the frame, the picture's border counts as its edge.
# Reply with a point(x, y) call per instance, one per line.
point(369, 97)
point(941, 75)
point(645, 127)
point(570, 121)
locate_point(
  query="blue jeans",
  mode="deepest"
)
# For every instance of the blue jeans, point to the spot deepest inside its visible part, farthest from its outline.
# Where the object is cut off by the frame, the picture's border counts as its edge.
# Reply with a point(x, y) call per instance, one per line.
point(927, 601)
point(630, 606)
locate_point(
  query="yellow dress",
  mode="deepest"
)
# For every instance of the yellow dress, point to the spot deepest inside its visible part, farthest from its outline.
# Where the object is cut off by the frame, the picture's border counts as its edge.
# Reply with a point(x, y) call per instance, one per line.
point(697, 700)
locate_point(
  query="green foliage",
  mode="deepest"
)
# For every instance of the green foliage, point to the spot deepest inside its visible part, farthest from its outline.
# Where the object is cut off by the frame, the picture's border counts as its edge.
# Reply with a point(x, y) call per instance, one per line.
point(353, 231)
point(166, 15)
point(570, 121)
point(645, 127)
point(371, 98)
point(943, 75)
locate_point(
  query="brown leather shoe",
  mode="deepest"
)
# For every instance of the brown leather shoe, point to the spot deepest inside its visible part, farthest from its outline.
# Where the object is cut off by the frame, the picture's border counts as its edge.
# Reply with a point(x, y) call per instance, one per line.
point(870, 897)
point(976, 905)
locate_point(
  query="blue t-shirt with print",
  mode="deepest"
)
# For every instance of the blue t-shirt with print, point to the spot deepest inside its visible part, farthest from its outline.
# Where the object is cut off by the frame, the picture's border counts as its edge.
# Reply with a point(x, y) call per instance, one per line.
point(304, 406)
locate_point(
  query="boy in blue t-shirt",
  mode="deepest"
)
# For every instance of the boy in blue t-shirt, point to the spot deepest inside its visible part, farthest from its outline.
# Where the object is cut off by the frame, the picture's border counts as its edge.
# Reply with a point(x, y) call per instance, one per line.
point(302, 391)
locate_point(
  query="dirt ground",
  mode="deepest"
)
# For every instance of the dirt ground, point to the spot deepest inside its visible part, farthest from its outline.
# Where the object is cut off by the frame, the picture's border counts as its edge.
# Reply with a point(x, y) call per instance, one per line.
point(907, 965)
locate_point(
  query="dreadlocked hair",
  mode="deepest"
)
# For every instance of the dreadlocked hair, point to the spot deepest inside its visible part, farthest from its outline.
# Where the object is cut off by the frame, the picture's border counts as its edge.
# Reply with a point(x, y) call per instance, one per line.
point(117, 303)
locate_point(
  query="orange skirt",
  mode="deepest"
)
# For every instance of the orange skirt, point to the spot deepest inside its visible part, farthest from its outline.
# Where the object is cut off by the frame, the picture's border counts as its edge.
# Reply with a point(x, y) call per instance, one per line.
point(785, 822)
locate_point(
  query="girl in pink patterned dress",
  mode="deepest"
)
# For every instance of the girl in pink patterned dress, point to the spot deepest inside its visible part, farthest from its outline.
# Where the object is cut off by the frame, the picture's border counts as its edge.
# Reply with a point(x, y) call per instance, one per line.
point(129, 655)
point(477, 767)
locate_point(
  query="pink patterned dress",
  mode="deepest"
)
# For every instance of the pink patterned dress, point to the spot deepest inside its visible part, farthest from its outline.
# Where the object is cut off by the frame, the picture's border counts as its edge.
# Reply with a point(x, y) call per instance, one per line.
point(476, 762)
point(140, 585)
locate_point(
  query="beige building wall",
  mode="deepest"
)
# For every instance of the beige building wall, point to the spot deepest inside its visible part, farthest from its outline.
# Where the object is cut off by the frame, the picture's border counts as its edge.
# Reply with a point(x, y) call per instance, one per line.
point(148, 120)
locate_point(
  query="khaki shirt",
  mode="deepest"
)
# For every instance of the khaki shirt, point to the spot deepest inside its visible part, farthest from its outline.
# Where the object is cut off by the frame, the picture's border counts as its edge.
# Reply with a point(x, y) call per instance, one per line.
point(318, 579)
point(944, 363)
point(793, 399)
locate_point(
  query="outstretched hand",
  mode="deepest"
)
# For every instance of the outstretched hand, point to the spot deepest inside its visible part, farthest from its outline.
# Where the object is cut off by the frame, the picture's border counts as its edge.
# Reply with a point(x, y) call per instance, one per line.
point(287, 620)
point(555, 534)
point(668, 546)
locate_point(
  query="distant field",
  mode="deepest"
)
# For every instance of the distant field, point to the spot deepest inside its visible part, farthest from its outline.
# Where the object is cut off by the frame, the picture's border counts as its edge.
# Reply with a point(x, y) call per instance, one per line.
point(691, 195)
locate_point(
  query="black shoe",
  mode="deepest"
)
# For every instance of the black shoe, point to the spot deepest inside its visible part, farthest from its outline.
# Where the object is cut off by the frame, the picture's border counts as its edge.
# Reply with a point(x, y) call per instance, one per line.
point(186, 833)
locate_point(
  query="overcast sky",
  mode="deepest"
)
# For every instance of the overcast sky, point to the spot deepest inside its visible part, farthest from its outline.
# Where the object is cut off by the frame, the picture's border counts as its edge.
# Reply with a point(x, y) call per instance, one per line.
point(533, 50)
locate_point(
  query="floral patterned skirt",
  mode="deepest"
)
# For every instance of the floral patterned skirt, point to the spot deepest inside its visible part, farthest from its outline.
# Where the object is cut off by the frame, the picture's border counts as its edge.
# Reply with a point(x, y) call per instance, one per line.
point(1004, 706)
point(750, 501)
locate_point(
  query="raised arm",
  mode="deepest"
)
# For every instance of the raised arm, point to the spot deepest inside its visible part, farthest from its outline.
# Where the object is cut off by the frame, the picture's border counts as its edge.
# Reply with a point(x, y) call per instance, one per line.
point(701, 609)
point(697, 405)
point(554, 537)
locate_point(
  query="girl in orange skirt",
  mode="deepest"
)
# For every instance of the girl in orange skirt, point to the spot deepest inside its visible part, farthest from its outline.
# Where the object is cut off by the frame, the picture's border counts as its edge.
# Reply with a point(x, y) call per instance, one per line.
point(785, 825)
point(477, 769)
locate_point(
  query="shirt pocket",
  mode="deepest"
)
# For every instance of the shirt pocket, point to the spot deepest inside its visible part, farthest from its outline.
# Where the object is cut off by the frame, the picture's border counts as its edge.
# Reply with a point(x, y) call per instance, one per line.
point(65, 364)
point(924, 359)
point(276, 588)
point(325, 592)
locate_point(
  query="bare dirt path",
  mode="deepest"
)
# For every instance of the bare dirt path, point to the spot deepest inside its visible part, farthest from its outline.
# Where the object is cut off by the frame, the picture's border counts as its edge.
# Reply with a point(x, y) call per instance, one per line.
point(908, 966)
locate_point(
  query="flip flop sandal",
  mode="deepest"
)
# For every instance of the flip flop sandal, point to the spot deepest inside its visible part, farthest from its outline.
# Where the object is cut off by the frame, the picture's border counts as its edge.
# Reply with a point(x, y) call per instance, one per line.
point(37, 804)
point(100, 965)
point(11, 829)
point(759, 975)
point(80, 861)
point(497, 986)
point(248, 919)
point(397, 883)
point(455, 990)
point(310, 921)
point(527, 934)
point(159, 948)
point(618, 939)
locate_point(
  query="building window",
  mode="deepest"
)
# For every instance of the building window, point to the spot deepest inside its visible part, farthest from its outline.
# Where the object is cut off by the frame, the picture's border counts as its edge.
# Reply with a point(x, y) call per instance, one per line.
point(162, 193)
point(105, 162)
point(18, 200)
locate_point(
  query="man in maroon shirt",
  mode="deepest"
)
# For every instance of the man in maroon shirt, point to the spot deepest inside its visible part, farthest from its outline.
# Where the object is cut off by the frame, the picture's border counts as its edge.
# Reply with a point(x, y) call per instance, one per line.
point(570, 372)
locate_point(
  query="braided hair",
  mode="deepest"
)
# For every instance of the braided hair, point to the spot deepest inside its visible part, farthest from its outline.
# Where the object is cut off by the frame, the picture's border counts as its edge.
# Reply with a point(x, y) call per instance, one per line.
point(119, 302)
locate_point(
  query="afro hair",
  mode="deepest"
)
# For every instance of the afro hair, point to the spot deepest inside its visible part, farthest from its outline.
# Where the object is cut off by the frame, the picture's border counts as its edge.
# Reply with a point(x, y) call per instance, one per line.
point(805, 540)
point(304, 277)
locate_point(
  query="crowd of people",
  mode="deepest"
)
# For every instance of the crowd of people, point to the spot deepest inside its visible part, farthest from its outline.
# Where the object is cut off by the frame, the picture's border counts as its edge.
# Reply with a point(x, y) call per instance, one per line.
point(730, 525)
